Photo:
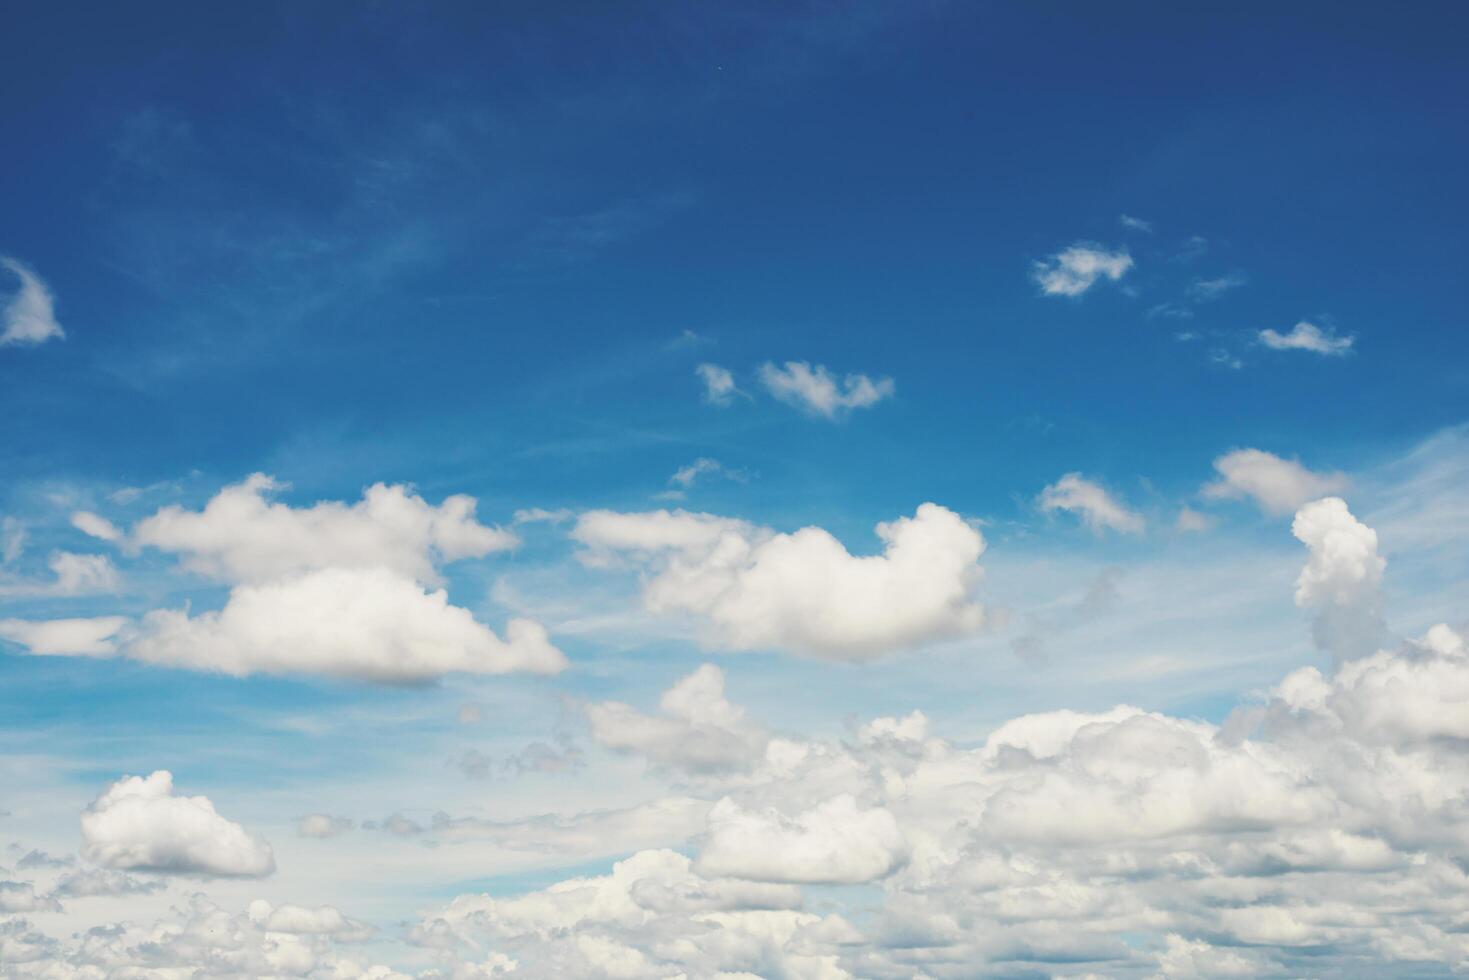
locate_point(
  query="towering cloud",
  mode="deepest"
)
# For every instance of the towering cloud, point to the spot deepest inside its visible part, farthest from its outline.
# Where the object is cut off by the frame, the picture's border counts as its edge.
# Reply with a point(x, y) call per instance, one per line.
point(1342, 579)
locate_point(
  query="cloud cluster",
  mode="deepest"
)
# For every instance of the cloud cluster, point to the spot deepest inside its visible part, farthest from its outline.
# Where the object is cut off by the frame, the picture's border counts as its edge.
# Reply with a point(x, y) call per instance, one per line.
point(331, 589)
point(815, 390)
point(756, 588)
point(1074, 270)
point(138, 824)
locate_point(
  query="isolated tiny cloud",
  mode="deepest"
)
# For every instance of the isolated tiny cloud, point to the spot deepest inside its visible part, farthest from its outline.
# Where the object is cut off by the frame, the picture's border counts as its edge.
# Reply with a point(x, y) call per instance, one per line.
point(1277, 485)
point(719, 384)
point(803, 591)
point(1073, 271)
point(1308, 337)
point(816, 391)
point(138, 824)
point(1097, 508)
point(29, 318)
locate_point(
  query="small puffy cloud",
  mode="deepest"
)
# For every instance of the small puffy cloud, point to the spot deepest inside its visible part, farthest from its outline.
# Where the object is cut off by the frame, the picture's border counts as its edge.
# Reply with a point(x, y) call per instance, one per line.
point(302, 921)
point(1092, 503)
point(369, 624)
point(72, 575)
point(1342, 578)
point(698, 731)
point(87, 637)
point(21, 896)
point(138, 824)
point(685, 476)
point(1278, 485)
point(1135, 224)
point(100, 882)
point(759, 589)
point(816, 391)
point(1308, 337)
point(719, 384)
point(1074, 270)
point(322, 825)
point(837, 842)
point(95, 526)
point(29, 318)
point(240, 536)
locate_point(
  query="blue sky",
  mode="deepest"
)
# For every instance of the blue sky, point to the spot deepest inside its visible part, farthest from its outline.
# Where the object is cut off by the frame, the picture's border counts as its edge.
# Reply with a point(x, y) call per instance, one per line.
point(947, 253)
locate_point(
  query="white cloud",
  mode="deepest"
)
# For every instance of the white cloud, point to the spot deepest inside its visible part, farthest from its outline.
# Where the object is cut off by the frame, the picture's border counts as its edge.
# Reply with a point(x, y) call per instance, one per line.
point(1342, 579)
point(299, 920)
point(1308, 337)
point(30, 316)
point(1136, 224)
point(93, 637)
point(12, 539)
point(20, 897)
point(1207, 289)
point(72, 575)
point(1191, 521)
point(322, 825)
point(719, 384)
point(837, 842)
point(95, 526)
point(97, 882)
point(1278, 485)
point(1096, 507)
point(699, 731)
point(686, 475)
point(1074, 270)
point(369, 624)
point(138, 824)
point(759, 589)
point(240, 536)
point(816, 391)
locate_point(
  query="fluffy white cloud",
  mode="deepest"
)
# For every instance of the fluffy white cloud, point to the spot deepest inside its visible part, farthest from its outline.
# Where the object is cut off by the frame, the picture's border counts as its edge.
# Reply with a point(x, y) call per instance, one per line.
point(370, 624)
point(838, 842)
point(96, 526)
point(1096, 507)
point(240, 536)
point(1342, 579)
point(1190, 521)
point(1278, 485)
point(699, 730)
point(816, 391)
point(29, 317)
point(719, 384)
point(302, 921)
point(803, 591)
point(1074, 270)
point(20, 896)
point(138, 824)
point(1308, 337)
point(94, 637)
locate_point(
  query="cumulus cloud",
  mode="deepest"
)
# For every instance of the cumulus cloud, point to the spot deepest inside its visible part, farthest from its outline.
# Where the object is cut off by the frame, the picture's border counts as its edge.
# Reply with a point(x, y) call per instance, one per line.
point(240, 536)
point(1342, 579)
point(1308, 337)
point(370, 624)
point(20, 896)
point(1097, 508)
point(300, 920)
point(838, 842)
point(719, 384)
point(698, 730)
point(29, 318)
point(98, 882)
point(760, 589)
point(1278, 485)
point(816, 391)
point(1190, 521)
point(1136, 224)
point(1073, 271)
point(138, 824)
